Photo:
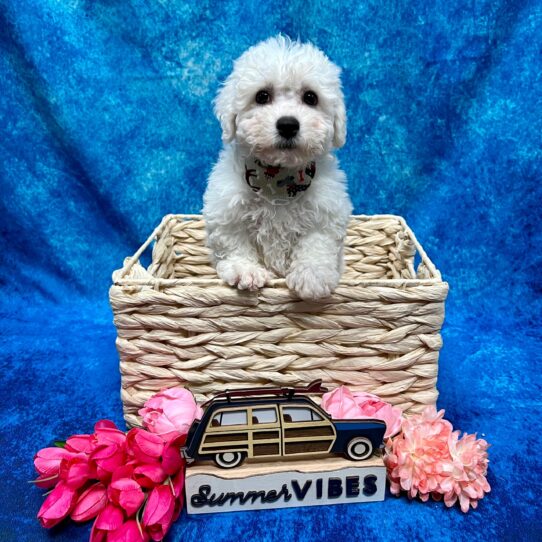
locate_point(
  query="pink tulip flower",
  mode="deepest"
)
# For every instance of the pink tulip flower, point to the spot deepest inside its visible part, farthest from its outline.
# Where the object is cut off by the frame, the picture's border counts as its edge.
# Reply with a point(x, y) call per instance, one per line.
point(97, 535)
point(47, 461)
point(75, 471)
point(80, 443)
point(90, 503)
point(105, 424)
point(57, 505)
point(150, 475)
point(341, 403)
point(170, 412)
point(145, 447)
point(159, 510)
point(108, 520)
point(124, 471)
point(178, 485)
point(109, 450)
point(126, 494)
point(106, 433)
point(128, 532)
point(172, 461)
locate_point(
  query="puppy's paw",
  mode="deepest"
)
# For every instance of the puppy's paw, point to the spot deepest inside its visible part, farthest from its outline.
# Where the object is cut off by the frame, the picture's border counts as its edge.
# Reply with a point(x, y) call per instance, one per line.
point(244, 275)
point(312, 282)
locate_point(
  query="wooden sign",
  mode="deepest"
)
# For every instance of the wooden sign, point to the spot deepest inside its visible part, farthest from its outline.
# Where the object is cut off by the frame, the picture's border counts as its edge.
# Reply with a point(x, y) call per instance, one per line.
point(284, 484)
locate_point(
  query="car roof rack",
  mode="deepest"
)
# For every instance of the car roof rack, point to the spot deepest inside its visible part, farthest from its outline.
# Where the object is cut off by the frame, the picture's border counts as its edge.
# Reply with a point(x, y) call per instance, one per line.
point(314, 387)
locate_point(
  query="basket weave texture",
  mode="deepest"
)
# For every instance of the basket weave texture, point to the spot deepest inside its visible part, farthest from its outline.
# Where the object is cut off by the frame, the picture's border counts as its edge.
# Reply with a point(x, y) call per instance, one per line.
point(178, 324)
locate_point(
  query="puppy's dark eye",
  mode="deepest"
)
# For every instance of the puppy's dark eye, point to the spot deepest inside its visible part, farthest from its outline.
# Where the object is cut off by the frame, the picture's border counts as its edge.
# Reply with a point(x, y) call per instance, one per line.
point(310, 98)
point(263, 97)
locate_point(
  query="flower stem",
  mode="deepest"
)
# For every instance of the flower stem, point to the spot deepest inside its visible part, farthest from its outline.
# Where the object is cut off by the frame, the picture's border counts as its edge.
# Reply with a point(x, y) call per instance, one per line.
point(43, 479)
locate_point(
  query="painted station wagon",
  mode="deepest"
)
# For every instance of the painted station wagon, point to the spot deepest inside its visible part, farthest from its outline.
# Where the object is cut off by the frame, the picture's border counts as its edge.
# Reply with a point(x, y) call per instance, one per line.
point(266, 423)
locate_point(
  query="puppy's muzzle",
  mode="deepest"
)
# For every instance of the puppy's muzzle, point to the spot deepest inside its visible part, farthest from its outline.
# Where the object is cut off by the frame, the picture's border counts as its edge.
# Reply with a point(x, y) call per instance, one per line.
point(287, 127)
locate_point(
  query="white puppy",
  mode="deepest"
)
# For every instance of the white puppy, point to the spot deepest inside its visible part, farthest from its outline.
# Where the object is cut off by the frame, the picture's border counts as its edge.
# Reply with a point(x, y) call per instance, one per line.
point(276, 203)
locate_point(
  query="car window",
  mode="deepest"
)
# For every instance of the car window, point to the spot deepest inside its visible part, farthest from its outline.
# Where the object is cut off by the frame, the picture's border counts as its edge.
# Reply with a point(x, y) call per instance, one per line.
point(300, 414)
point(264, 415)
point(233, 417)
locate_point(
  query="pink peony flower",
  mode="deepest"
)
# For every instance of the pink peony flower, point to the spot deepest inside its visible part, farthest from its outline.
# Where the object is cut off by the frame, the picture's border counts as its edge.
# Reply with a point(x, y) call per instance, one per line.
point(90, 503)
point(57, 505)
point(416, 458)
point(159, 511)
point(467, 481)
point(341, 403)
point(170, 412)
point(126, 494)
point(428, 460)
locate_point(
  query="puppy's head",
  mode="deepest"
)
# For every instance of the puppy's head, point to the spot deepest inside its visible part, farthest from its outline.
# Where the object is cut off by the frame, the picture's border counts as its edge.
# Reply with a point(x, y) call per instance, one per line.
point(283, 102)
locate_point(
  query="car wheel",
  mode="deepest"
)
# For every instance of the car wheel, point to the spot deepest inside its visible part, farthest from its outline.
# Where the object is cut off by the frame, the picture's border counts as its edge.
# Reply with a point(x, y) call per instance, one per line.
point(359, 448)
point(228, 460)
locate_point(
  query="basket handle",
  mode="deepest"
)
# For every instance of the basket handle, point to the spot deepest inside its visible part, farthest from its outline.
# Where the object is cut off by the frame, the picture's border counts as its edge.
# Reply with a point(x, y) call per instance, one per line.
point(426, 262)
point(131, 261)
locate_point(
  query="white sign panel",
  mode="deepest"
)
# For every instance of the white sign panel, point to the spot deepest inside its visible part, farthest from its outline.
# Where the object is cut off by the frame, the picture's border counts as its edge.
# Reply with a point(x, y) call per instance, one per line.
point(208, 493)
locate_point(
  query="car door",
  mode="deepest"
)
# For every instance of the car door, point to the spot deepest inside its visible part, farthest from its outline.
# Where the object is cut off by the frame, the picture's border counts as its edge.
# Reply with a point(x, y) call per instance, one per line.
point(305, 431)
point(265, 431)
point(227, 431)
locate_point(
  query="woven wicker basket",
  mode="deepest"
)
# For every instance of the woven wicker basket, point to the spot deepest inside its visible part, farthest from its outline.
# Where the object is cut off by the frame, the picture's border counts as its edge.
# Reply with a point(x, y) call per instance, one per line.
point(178, 324)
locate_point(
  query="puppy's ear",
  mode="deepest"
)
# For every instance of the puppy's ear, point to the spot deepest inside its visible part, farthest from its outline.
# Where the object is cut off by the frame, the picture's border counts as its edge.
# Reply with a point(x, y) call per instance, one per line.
point(225, 110)
point(339, 123)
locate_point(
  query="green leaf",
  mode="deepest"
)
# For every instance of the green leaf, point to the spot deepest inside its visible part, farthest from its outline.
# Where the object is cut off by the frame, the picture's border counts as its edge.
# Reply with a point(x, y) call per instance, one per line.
point(60, 443)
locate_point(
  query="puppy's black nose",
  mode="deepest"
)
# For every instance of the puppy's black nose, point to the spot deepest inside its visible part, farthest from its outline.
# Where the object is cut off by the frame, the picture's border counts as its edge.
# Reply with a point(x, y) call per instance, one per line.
point(288, 127)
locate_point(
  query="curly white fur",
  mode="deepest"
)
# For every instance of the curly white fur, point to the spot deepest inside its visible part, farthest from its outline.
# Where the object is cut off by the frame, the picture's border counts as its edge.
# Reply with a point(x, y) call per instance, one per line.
point(251, 239)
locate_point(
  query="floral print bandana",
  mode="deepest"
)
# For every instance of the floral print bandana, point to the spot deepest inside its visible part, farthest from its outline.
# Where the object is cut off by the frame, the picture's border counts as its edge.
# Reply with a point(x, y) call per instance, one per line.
point(276, 184)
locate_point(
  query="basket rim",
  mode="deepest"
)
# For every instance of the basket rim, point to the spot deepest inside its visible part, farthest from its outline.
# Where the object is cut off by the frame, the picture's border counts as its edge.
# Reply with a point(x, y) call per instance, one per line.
point(120, 279)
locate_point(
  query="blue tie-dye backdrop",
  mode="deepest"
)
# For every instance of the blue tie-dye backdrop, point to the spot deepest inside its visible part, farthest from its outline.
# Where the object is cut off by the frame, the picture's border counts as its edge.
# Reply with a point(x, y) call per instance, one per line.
point(106, 125)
